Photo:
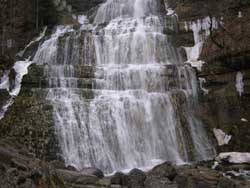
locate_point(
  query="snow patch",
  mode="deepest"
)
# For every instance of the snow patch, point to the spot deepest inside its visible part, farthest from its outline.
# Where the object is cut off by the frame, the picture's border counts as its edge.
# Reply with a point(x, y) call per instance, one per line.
point(186, 26)
point(171, 12)
point(201, 30)
point(239, 83)
point(234, 157)
point(240, 14)
point(216, 163)
point(193, 54)
point(244, 120)
point(221, 137)
point(202, 81)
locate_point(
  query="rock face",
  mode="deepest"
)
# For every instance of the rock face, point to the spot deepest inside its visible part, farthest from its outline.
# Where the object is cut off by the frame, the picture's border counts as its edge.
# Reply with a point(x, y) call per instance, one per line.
point(32, 114)
point(230, 109)
point(226, 53)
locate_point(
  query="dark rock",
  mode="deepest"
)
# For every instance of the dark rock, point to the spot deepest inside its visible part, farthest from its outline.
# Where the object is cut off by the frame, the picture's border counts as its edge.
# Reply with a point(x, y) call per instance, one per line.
point(19, 165)
point(184, 182)
point(21, 180)
point(119, 178)
point(57, 164)
point(136, 178)
point(226, 183)
point(76, 177)
point(4, 96)
point(159, 182)
point(233, 167)
point(12, 76)
point(71, 168)
point(2, 169)
point(164, 170)
point(196, 176)
point(36, 175)
point(92, 172)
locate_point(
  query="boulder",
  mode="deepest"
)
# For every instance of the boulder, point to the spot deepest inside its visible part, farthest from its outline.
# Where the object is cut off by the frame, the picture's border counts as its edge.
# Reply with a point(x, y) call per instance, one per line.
point(92, 172)
point(119, 179)
point(136, 178)
point(164, 170)
point(76, 177)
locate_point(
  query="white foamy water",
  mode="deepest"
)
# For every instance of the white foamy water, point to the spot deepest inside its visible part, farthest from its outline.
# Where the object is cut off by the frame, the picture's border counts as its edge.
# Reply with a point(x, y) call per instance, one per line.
point(122, 97)
point(4, 81)
point(21, 69)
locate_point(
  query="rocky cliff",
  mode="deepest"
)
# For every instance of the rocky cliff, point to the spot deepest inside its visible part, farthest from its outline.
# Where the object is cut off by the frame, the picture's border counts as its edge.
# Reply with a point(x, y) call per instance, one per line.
point(226, 53)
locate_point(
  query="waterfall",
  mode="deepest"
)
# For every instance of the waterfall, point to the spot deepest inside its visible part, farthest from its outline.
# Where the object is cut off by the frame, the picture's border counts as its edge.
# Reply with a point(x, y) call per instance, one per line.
point(121, 94)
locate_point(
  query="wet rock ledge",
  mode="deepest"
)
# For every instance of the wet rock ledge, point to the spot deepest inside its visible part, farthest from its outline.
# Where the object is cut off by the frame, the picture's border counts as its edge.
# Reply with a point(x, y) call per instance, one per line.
point(20, 169)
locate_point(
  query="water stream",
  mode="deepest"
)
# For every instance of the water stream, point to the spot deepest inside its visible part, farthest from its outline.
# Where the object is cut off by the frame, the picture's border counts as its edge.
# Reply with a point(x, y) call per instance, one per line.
point(122, 96)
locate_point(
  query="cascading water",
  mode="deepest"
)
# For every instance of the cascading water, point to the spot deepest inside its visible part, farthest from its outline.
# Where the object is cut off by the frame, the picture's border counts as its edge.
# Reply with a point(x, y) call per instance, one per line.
point(122, 97)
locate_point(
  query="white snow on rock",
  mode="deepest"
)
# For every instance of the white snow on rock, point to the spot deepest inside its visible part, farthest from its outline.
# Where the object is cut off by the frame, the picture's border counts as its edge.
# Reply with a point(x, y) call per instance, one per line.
point(216, 163)
point(202, 81)
point(186, 26)
point(193, 54)
point(221, 137)
point(244, 120)
point(240, 14)
point(201, 30)
point(234, 157)
point(170, 12)
point(239, 83)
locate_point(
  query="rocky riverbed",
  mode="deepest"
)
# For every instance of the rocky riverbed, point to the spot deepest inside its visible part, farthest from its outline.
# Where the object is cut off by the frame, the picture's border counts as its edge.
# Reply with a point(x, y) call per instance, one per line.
point(20, 169)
